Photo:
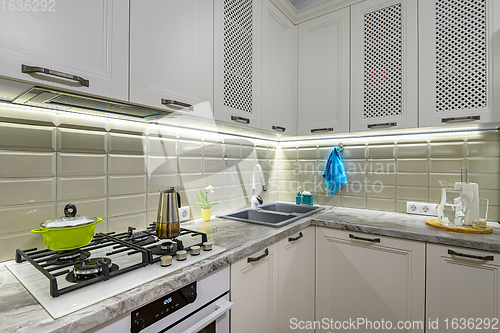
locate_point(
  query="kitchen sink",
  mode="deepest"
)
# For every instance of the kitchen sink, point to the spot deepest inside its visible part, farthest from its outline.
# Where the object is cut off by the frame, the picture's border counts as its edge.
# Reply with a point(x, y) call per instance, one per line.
point(273, 214)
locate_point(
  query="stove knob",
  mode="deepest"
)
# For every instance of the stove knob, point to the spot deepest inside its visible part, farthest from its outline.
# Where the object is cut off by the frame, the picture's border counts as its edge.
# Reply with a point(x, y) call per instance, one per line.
point(195, 250)
point(166, 261)
point(137, 325)
point(181, 255)
point(207, 246)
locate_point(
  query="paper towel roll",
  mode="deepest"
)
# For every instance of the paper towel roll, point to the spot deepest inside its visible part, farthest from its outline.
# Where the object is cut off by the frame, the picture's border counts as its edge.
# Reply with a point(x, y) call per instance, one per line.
point(470, 191)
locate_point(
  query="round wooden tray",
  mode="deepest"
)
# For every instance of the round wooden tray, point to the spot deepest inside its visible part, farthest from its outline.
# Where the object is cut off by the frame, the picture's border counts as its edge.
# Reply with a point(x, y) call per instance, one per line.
point(464, 229)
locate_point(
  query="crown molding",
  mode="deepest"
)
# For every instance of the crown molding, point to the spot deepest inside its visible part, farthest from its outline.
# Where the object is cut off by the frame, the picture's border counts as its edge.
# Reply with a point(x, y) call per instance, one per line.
point(306, 14)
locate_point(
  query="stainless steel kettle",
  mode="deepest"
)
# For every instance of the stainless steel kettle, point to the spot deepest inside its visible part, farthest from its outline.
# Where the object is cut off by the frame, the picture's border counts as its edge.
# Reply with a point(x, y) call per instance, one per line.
point(167, 222)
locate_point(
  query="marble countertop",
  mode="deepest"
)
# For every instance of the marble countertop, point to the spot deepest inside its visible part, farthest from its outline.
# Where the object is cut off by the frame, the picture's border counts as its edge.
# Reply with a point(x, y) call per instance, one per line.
point(20, 312)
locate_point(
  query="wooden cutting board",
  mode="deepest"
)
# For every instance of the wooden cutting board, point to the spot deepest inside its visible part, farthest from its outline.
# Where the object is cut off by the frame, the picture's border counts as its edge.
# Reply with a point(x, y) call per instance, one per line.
point(464, 229)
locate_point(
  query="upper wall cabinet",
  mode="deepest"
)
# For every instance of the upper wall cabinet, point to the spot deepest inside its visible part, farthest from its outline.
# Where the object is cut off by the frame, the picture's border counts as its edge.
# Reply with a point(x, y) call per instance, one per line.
point(171, 55)
point(323, 88)
point(279, 72)
point(456, 61)
point(384, 70)
point(74, 45)
point(237, 61)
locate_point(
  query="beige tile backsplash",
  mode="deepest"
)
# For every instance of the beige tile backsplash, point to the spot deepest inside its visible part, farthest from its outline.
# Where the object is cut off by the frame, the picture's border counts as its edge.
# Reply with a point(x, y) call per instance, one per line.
point(114, 170)
point(384, 173)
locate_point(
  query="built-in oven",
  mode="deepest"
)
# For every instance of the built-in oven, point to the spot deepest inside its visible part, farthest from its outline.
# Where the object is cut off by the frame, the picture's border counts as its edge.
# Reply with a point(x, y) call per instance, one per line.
point(200, 307)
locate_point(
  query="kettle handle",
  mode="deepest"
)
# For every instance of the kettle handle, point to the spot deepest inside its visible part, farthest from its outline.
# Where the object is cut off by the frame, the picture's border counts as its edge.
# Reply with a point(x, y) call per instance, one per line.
point(179, 200)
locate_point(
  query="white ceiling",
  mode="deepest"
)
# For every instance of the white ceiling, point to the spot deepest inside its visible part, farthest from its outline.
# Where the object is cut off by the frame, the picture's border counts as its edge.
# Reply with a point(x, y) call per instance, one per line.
point(301, 4)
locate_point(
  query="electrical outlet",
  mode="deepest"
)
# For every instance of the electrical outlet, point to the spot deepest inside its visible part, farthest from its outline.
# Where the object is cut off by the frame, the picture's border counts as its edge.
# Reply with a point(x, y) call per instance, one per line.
point(184, 213)
point(421, 208)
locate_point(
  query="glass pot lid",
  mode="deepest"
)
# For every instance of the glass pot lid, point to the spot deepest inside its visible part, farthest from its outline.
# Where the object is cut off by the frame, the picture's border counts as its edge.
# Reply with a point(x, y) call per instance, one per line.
point(68, 222)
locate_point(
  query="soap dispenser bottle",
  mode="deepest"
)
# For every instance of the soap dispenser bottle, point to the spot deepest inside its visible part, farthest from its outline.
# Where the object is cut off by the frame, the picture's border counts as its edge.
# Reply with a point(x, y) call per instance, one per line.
point(298, 198)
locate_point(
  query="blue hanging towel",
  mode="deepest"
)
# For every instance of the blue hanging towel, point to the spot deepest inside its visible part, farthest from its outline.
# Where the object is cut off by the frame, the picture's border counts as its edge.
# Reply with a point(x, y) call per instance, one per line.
point(334, 172)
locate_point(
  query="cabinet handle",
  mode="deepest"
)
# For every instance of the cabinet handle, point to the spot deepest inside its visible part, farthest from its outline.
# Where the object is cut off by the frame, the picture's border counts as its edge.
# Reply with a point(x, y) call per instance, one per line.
point(279, 128)
point(35, 69)
point(382, 125)
point(265, 254)
point(293, 239)
point(326, 129)
point(374, 240)
point(453, 253)
point(237, 118)
point(169, 102)
point(460, 119)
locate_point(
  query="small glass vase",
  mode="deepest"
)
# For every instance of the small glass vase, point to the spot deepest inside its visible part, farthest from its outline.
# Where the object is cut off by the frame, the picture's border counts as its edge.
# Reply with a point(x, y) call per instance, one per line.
point(206, 214)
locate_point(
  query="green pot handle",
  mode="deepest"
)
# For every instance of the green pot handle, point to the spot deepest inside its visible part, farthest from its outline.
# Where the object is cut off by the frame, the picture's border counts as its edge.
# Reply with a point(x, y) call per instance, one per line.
point(99, 220)
point(38, 231)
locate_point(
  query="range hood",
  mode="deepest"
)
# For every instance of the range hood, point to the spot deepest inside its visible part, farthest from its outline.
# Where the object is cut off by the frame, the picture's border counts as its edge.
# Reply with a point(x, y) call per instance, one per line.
point(53, 99)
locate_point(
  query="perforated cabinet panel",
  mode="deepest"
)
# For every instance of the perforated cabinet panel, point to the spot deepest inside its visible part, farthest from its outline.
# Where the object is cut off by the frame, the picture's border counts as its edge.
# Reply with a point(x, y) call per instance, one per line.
point(238, 54)
point(383, 57)
point(460, 55)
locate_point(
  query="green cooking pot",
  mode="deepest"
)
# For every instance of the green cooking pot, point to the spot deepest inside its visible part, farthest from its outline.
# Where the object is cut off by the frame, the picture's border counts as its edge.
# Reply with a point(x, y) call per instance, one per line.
point(67, 232)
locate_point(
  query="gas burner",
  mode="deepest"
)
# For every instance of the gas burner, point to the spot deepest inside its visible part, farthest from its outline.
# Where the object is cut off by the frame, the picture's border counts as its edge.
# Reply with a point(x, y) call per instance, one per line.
point(166, 248)
point(143, 239)
point(90, 268)
point(67, 257)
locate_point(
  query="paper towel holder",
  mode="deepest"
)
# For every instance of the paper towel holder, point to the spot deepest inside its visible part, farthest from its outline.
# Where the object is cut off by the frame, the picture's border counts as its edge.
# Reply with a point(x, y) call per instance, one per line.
point(462, 175)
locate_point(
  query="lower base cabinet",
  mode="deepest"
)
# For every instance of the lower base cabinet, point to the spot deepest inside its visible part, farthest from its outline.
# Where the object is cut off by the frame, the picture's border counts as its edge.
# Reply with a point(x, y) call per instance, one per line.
point(372, 282)
point(463, 289)
point(275, 285)
point(325, 280)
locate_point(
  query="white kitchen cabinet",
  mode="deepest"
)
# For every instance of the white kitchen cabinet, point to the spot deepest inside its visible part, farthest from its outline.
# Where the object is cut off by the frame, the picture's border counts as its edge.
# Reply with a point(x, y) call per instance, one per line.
point(254, 292)
point(462, 283)
point(238, 61)
point(269, 292)
point(384, 65)
point(456, 62)
point(171, 55)
point(81, 46)
point(370, 277)
point(279, 72)
point(323, 84)
point(296, 280)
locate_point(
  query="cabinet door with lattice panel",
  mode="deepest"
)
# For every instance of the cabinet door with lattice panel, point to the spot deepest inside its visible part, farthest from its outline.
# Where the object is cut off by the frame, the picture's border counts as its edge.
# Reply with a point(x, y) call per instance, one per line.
point(237, 61)
point(384, 82)
point(456, 61)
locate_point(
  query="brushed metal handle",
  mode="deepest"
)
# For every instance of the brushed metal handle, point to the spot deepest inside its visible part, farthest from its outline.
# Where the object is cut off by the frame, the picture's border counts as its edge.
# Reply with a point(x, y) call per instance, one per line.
point(382, 125)
point(374, 240)
point(279, 128)
point(238, 118)
point(169, 102)
point(265, 254)
point(293, 239)
point(326, 129)
point(460, 119)
point(35, 69)
point(490, 258)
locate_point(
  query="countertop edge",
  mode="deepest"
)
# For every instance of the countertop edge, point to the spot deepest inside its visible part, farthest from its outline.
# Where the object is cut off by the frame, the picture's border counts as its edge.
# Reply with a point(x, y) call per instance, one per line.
point(240, 239)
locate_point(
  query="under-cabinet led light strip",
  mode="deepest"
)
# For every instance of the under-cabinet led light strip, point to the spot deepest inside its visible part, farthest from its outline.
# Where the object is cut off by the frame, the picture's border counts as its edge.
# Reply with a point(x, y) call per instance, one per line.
point(268, 136)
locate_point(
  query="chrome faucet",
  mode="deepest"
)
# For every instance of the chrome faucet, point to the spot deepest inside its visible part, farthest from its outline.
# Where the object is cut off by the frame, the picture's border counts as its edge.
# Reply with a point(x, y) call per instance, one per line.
point(256, 199)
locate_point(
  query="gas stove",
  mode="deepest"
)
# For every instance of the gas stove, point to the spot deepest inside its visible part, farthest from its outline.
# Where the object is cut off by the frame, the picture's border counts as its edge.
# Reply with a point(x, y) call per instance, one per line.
point(66, 281)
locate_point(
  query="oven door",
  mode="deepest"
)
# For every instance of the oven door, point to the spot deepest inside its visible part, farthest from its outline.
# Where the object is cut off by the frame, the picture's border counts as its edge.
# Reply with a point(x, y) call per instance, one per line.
point(214, 320)
point(211, 318)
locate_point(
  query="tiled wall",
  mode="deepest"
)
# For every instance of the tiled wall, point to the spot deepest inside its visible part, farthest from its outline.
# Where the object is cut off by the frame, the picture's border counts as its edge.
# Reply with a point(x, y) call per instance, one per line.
point(385, 172)
point(114, 169)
